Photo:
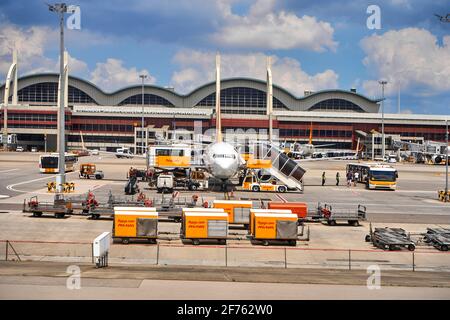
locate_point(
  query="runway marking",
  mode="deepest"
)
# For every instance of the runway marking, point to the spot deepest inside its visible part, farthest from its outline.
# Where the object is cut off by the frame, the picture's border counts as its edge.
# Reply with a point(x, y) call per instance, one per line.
point(8, 170)
point(2, 196)
point(396, 191)
point(281, 198)
point(11, 186)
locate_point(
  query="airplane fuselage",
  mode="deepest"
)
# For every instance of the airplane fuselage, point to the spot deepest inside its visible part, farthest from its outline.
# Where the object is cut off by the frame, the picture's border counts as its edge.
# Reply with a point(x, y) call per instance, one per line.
point(222, 160)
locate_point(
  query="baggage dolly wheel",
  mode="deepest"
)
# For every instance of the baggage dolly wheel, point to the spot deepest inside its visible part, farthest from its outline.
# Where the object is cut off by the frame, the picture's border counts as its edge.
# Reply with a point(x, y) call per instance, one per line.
point(411, 247)
point(332, 222)
point(265, 243)
point(195, 242)
point(391, 247)
point(293, 243)
point(367, 238)
point(37, 214)
point(125, 241)
point(444, 247)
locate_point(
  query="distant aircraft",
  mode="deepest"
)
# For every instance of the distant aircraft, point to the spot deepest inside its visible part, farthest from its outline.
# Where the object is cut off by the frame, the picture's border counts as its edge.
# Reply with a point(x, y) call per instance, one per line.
point(443, 19)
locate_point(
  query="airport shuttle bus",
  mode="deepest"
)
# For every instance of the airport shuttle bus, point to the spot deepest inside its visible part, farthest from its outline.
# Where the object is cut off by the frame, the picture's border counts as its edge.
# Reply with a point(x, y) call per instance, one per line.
point(375, 176)
point(48, 163)
point(170, 156)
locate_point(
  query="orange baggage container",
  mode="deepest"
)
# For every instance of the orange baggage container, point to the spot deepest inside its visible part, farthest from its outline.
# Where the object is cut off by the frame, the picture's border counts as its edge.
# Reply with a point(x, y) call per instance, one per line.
point(238, 210)
point(298, 208)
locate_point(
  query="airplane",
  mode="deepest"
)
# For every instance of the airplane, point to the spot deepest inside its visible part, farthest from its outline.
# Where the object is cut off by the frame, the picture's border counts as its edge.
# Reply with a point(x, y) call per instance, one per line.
point(309, 151)
point(443, 19)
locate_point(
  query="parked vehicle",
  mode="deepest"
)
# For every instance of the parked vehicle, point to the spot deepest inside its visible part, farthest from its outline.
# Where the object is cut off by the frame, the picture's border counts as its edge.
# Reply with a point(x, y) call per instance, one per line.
point(165, 183)
point(89, 170)
point(124, 153)
point(19, 149)
point(34, 149)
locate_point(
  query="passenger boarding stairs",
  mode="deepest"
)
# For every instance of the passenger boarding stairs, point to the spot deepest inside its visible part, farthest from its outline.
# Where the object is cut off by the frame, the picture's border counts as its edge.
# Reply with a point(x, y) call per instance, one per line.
point(283, 168)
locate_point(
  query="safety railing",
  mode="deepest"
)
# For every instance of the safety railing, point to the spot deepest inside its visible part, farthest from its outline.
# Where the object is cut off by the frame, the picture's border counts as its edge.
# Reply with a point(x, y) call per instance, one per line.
point(231, 255)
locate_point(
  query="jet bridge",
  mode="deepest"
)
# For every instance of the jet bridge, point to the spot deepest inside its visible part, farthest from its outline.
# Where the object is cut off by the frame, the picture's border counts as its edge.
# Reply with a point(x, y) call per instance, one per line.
point(283, 168)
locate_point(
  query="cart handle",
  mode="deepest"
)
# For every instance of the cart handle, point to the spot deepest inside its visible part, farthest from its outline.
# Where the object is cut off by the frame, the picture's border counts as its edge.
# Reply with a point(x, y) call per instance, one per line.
point(360, 206)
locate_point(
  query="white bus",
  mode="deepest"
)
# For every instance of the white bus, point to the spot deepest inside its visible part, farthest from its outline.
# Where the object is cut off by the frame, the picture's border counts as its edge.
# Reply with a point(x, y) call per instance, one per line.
point(375, 176)
point(48, 163)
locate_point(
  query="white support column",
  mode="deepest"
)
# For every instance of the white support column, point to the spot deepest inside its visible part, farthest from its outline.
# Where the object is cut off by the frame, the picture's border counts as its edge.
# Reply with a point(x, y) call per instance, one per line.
point(218, 112)
point(14, 97)
point(269, 97)
point(11, 76)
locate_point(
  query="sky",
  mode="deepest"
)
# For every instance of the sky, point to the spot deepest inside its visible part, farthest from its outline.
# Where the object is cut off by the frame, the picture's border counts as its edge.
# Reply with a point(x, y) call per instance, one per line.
point(314, 45)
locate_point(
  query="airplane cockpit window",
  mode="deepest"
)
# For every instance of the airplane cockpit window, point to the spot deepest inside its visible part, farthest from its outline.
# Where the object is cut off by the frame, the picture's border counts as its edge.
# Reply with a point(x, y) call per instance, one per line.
point(224, 156)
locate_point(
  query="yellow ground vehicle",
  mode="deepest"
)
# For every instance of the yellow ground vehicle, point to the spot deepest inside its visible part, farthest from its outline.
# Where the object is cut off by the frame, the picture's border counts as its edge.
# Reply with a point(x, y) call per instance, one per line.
point(170, 156)
point(273, 225)
point(88, 170)
point(238, 210)
point(375, 176)
point(48, 163)
point(253, 183)
point(204, 226)
point(135, 223)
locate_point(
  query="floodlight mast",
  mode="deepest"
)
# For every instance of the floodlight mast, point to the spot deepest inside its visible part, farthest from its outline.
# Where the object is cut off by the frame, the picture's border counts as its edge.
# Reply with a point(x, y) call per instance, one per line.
point(383, 148)
point(60, 9)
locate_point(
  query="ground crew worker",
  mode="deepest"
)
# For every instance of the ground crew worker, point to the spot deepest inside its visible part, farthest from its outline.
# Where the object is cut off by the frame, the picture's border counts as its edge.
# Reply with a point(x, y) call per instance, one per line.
point(349, 178)
point(356, 178)
point(323, 178)
point(337, 178)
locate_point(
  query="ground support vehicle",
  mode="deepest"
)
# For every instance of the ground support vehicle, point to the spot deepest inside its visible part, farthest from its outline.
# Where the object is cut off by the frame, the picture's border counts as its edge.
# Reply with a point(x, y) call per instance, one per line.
point(268, 226)
point(251, 182)
point(332, 216)
point(132, 223)
point(390, 239)
point(202, 225)
point(59, 208)
point(438, 237)
point(89, 170)
point(298, 208)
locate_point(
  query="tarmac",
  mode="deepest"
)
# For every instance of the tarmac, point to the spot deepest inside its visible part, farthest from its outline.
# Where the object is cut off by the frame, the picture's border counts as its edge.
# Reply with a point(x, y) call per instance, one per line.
point(46, 241)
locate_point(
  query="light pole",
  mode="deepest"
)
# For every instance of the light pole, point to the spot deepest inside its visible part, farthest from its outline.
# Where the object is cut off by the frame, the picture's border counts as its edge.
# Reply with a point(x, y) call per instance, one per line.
point(60, 9)
point(143, 77)
point(383, 83)
point(446, 160)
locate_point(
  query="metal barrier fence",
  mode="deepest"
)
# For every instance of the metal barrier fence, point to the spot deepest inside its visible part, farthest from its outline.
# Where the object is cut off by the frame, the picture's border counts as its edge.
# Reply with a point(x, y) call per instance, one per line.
point(423, 259)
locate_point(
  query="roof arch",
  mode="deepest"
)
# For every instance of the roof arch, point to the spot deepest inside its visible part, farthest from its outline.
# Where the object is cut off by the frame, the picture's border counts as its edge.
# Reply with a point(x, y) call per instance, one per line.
point(192, 98)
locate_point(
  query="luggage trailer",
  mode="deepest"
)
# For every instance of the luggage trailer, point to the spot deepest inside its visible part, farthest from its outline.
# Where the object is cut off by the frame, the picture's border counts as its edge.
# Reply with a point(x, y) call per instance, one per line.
point(438, 237)
point(390, 239)
point(332, 217)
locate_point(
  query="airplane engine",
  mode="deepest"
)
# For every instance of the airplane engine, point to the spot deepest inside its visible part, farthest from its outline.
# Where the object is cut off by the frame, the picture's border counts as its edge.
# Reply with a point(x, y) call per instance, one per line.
point(437, 159)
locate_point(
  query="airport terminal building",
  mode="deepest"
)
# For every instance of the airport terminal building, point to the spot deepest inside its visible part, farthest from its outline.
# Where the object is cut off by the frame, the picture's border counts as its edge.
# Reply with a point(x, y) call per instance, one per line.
point(107, 121)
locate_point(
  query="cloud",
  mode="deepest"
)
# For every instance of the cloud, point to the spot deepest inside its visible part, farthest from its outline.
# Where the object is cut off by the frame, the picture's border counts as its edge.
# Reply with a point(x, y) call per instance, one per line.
point(31, 44)
point(112, 75)
point(197, 67)
point(410, 58)
point(263, 28)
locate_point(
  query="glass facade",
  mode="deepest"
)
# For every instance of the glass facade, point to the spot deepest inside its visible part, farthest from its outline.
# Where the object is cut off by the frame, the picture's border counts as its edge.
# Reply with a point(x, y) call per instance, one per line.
point(149, 99)
point(336, 105)
point(241, 100)
point(47, 92)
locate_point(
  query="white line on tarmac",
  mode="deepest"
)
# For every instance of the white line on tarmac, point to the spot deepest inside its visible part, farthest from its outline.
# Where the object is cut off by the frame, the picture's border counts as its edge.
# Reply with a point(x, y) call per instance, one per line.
point(11, 186)
point(2, 196)
point(397, 191)
point(8, 170)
